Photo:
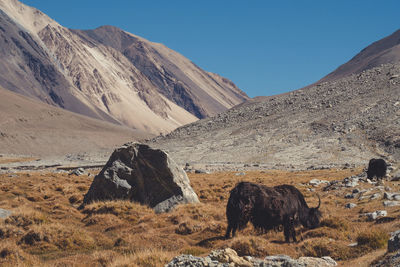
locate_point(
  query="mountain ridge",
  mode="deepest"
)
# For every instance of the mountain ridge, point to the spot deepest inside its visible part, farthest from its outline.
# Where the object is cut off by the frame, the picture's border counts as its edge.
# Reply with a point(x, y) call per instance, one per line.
point(383, 51)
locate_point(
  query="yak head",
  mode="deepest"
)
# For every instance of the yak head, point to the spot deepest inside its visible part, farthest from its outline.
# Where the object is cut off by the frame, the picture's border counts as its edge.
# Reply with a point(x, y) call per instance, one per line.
point(312, 219)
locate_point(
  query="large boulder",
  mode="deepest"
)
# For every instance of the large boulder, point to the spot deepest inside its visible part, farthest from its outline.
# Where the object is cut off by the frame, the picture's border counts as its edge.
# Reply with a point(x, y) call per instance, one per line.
point(139, 173)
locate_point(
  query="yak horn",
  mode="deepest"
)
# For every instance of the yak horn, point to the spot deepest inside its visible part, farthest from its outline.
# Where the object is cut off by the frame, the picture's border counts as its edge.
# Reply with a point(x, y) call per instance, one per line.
point(319, 202)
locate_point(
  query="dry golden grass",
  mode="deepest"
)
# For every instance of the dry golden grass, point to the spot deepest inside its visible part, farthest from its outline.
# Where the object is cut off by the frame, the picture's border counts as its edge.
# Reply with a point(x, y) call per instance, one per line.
point(46, 228)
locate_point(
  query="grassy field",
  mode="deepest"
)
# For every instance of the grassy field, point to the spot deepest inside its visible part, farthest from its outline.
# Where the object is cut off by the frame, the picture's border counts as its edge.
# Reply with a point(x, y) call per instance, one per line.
point(47, 229)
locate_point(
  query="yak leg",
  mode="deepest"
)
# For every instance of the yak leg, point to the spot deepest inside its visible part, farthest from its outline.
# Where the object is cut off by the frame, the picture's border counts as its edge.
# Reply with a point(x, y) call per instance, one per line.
point(229, 229)
point(288, 229)
point(293, 230)
point(234, 228)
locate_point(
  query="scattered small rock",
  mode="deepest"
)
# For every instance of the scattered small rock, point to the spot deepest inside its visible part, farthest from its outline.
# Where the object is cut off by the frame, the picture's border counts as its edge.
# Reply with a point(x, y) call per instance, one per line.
point(371, 216)
point(375, 196)
point(351, 183)
point(396, 176)
point(391, 196)
point(316, 182)
point(391, 203)
point(348, 196)
point(356, 190)
point(77, 172)
point(350, 205)
point(4, 213)
point(201, 171)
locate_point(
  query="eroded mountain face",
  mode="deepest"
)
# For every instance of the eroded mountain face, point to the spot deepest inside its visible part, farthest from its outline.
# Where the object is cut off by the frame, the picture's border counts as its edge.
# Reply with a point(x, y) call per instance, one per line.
point(26, 67)
point(106, 73)
point(173, 75)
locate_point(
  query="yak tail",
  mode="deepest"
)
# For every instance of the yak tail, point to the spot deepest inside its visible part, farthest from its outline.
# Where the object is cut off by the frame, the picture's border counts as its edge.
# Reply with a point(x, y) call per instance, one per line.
point(319, 202)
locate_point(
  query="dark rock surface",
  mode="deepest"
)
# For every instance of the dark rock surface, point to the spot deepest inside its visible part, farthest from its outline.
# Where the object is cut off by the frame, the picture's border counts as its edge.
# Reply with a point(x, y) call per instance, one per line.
point(140, 173)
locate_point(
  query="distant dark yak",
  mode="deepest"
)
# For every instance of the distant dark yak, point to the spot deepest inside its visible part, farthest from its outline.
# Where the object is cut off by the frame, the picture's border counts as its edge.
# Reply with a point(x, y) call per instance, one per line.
point(269, 208)
point(376, 167)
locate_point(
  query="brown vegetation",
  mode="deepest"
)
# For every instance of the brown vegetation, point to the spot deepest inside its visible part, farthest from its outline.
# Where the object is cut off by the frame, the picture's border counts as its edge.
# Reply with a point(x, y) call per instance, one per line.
point(46, 228)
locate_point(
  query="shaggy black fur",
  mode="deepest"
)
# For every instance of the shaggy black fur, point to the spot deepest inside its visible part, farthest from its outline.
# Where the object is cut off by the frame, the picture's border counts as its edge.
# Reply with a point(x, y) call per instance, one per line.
point(268, 208)
point(376, 167)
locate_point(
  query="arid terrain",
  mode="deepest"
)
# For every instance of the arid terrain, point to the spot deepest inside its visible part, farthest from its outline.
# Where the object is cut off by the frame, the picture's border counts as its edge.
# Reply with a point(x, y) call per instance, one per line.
point(348, 117)
point(29, 127)
point(69, 97)
point(347, 121)
point(46, 228)
point(106, 73)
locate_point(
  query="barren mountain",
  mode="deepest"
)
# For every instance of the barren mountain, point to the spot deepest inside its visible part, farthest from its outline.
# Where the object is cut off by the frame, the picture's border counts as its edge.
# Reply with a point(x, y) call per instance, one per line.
point(386, 50)
point(106, 73)
point(31, 127)
point(344, 121)
point(174, 76)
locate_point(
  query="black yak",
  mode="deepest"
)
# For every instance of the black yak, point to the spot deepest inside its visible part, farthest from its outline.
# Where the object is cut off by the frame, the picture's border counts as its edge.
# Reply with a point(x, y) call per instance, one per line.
point(268, 208)
point(376, 167)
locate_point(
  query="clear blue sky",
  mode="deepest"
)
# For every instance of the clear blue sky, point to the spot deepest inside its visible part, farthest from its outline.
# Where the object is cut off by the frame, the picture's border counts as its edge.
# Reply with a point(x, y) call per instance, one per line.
point(265, 47)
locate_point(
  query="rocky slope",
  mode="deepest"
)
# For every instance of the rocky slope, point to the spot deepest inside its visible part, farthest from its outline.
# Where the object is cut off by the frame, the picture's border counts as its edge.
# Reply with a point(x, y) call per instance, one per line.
point(106, 73)
point(348, 120)
point(30, 127)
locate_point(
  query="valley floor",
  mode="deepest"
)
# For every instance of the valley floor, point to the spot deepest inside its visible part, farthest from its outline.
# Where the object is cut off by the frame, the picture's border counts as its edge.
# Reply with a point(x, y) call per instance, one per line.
point(46, 228)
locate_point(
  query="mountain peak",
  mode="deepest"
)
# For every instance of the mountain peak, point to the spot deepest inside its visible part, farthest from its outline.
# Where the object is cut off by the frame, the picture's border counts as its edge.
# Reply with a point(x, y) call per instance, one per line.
point(386, 50)
point(106, 73)
point(31, 19)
